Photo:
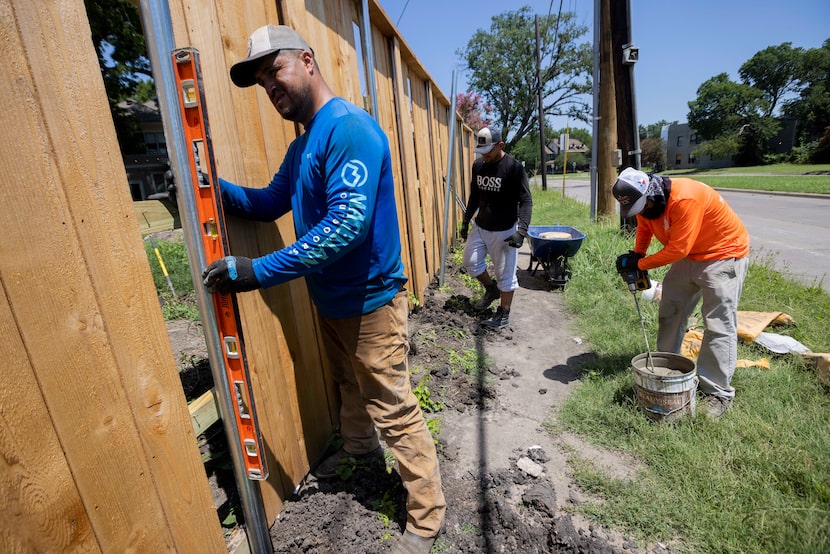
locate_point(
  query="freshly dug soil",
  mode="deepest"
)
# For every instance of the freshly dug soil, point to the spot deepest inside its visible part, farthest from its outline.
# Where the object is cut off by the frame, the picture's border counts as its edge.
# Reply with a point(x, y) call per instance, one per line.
point(505, 477)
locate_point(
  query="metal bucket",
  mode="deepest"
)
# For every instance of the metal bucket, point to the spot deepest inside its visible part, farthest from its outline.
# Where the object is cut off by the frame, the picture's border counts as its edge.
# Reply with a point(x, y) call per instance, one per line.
point(665, 388)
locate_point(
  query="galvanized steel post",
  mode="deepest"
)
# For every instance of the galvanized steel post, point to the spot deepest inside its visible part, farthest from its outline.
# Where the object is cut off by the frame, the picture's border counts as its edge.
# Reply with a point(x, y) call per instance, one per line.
point(158, 28)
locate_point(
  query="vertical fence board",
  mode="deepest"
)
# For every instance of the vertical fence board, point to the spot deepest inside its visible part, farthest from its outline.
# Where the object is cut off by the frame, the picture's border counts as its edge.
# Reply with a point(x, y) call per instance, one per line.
point(115, 465)
point(82, 297)
point(249, 139)
point(427, 178)
point(42, 509)
point(414, 224)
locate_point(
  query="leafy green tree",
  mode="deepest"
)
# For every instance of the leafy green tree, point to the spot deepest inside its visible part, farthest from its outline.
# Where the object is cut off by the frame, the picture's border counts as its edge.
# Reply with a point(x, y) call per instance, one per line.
point(502, 66)
point(731, 117)
point(812, 107)
point(119, 42)
point(475, 112)
point(653, 153)
point(575, 161)
point(582, 135)
point(654, 130)
point(775, 71)
point(527, 149)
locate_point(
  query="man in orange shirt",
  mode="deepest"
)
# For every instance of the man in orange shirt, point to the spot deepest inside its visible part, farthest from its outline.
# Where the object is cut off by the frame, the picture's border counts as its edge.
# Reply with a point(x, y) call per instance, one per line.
point(707, 246)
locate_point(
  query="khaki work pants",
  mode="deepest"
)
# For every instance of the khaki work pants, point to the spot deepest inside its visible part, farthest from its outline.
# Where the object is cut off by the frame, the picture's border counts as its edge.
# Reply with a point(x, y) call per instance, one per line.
point(368, 359)
point(719, 284)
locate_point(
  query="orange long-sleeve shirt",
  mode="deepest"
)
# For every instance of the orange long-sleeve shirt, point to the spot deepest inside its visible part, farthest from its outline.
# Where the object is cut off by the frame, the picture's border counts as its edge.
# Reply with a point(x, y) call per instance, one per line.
point(698, 224)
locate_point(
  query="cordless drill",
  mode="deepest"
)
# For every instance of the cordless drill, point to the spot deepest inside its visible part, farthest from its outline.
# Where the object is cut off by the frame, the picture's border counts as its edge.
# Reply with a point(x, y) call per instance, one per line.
point(634, 277)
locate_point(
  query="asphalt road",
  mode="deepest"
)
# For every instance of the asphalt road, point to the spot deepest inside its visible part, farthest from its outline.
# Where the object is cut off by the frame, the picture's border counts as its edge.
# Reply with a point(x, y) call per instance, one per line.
point(793, 228)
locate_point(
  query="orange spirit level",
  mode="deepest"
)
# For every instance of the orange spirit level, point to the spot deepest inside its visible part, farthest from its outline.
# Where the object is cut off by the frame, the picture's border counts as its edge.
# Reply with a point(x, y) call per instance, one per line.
point(215, 245)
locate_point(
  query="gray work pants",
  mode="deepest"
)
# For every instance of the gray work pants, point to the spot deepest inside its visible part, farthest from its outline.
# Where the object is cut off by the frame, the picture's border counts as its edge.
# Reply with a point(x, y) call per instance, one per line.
point(719, 284)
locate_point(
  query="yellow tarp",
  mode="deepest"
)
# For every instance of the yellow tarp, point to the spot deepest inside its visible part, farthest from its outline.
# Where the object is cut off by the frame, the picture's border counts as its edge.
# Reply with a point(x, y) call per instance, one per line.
point(691, 349)
point(750, 325)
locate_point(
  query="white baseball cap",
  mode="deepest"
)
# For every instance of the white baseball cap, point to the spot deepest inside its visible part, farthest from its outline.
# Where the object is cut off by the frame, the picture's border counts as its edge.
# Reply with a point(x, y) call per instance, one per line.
point(630, 191)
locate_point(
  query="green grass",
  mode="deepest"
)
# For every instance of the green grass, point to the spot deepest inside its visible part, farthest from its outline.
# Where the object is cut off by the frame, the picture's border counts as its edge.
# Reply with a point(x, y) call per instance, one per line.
point(773, 169)
point(756, 481)
point(814, 179)
point(814, 184)
point(778, 177)
point(179, 303)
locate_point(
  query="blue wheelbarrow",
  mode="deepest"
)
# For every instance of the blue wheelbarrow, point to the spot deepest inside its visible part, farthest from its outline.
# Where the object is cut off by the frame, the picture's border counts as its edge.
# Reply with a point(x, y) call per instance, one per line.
point(550, 247)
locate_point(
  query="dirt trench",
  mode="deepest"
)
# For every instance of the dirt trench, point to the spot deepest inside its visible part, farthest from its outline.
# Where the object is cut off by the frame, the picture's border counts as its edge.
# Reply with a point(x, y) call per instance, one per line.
point(505, 477)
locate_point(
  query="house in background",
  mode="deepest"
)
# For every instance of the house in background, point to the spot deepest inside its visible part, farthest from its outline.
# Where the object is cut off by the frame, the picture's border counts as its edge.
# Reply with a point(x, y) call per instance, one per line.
point(145, 170)
point(553, 150)
point(680, 142)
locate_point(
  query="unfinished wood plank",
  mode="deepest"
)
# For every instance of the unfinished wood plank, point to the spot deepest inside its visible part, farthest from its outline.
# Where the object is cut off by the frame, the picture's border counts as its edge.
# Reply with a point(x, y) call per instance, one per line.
point(412, 202)
point(42, 509)
point(68, 359)
point(428, 180)
point(278, 323)
point(152, 216)
point(90, 320)
point(204, 411)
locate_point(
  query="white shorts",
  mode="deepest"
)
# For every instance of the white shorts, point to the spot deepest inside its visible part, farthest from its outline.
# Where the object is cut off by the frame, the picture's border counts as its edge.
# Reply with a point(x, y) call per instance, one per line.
point(505, 258)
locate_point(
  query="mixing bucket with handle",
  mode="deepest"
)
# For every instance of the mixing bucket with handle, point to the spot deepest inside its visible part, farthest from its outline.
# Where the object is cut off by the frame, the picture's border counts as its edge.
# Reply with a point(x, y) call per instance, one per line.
point(665, 384)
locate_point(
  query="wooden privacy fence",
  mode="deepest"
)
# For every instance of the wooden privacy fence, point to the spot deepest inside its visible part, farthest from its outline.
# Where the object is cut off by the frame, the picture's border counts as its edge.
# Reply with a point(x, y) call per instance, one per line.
point(97, 452)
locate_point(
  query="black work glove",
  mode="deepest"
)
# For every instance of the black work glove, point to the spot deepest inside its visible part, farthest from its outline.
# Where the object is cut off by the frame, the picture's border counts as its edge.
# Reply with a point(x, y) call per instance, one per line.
point(230, 274)
point(465, 229)
point(516, 240)
point(628, 262)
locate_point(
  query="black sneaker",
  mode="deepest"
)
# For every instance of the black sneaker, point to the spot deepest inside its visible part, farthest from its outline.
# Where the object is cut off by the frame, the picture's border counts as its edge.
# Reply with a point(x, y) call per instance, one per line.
point(491, 293)
point(498, 321)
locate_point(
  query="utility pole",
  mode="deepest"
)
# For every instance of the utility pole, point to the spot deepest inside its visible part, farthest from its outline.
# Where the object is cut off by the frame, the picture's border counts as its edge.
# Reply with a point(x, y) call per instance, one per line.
point(539, 92)
point(625, 55)
point(607, 120)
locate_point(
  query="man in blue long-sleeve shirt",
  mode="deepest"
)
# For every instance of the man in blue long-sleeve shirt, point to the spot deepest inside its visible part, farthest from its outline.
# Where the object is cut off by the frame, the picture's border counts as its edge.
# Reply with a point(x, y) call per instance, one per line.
point(336, 179)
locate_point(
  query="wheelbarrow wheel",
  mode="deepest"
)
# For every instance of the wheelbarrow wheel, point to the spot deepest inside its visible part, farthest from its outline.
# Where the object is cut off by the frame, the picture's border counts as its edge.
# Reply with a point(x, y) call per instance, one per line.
point(561, 274)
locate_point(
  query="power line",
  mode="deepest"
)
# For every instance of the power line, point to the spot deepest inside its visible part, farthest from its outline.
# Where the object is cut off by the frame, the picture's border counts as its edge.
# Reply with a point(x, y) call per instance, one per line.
point(402, 12)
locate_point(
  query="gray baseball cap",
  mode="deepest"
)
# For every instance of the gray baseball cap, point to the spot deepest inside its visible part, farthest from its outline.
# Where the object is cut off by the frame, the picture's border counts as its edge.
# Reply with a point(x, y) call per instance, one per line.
point(486, 139)
point(265, 41)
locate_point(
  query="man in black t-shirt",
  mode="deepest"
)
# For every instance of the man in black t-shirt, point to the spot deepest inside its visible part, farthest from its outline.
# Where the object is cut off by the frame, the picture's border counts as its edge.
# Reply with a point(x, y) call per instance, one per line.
point(500, 194)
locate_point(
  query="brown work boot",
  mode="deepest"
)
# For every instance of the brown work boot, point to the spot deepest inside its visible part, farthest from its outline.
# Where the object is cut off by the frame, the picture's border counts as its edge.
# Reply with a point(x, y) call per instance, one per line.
point(715, 406)
point(491, 293)
point(410, 543)
point(328, 468)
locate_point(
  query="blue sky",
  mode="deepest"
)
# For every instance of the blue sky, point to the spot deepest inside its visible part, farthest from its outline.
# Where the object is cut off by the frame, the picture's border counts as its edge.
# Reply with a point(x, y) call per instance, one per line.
point(682, 44)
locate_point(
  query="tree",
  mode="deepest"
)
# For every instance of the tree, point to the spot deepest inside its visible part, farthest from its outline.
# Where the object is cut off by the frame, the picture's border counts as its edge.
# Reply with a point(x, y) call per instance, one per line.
point(582, 135)
point(812, 107)
point(653, 153)
point(527, 149)
point(475, 112)
point(119, 41)
point(502, 66)
point(731, 117)
point(775, 72)
point(655, 130)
